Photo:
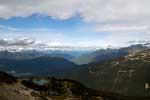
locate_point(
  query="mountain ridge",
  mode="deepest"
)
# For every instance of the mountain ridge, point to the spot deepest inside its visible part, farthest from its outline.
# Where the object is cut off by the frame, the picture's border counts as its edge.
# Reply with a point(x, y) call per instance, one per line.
point(37, 66)
point(106, 54)
point(121, 75)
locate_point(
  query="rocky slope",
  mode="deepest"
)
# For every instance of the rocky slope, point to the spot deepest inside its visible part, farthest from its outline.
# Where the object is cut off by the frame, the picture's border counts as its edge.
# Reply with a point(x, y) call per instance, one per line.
point(54, 89)
point(128, 75)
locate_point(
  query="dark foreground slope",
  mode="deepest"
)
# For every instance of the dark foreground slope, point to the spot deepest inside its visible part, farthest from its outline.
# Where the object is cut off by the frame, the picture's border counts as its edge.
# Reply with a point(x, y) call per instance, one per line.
point(54, 89)
point(6, 78)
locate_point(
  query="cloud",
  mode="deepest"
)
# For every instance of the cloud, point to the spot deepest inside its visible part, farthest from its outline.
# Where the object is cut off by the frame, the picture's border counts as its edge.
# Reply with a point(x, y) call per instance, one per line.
point(23, 41)
point(124, 39)
point(121, 28)
point(8, 28)
point(14, 29)
point(123, 34)
point(137, 42)
point(124, 20)
point(89, 10)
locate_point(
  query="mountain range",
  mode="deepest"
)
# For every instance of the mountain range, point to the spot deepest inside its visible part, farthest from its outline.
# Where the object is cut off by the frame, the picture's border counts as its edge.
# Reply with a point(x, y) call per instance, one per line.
point(37, 66)
point(120, 70)
point(108, 53)
point(128, 75)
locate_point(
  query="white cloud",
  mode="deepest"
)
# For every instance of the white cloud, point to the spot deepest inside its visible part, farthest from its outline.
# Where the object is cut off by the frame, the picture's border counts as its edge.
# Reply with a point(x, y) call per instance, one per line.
point(23, 41)
point(123, 34)
point(90, 10)
point(125, 20)
point(8, 28)
point(121, 28)
point(123, 39)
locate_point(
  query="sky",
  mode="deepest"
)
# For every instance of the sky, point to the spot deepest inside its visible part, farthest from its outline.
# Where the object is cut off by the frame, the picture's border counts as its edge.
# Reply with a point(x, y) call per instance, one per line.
point(81, 23)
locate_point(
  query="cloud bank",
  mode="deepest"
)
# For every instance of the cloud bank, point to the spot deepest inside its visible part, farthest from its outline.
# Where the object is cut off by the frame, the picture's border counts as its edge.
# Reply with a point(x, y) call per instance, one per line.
point(89, 10)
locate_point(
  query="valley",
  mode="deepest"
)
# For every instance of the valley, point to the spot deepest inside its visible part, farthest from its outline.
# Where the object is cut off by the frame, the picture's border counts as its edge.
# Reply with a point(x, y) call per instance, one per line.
point(113, 74)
